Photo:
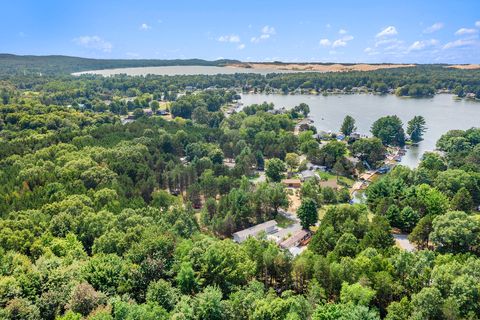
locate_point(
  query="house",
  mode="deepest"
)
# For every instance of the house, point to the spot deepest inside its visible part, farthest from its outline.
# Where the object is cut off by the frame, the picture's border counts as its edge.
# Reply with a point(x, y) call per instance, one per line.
point(353, 160)
point(292, 183)
point(383, 169)
point(312, 167)
point(125, 120)
point(163, 112)
point(229, 162)
point(295, 251)
point(470, 95)
point(148, 112)
point(355, 135)
point(267, 227)
point(307, 175)
point(295, 239)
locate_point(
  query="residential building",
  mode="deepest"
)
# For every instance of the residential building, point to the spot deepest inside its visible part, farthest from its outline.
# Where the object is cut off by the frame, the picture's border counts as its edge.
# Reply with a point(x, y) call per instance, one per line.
point(267, 227)
point(292, 183)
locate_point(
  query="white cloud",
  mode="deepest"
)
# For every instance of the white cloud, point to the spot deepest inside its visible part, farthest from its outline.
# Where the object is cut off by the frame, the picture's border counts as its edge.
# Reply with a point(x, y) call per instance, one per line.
point(388, 31)
point(328, 25)
point(241, 46)
point(422, 44)
point(145, 27)
point(229, 38)
point(342, 31)
point(459, 43)
point(477, 24)
point(464, 31)
point(342, 42)
point(268, 30)
point(266, 33)
point(94, 42)
point(434, 27)
point(367, 50)
point(325, 42)
point(339, 43)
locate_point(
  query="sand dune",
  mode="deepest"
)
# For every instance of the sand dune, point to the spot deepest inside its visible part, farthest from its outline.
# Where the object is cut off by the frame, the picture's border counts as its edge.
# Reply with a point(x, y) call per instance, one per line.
point(320, 67)
point(465, 66)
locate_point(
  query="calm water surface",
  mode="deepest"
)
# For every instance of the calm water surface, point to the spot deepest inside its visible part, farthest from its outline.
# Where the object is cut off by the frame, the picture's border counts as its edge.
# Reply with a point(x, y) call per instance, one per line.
point(181, 70)
point(442, 113)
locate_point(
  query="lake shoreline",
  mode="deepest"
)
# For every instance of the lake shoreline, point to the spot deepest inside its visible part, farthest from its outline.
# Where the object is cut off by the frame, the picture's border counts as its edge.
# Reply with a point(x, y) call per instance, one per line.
point(442, 113)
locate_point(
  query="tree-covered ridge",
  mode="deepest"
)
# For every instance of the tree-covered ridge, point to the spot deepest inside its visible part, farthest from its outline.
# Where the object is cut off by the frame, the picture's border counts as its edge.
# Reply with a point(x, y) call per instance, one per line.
point(104, 220)
point(48, 65)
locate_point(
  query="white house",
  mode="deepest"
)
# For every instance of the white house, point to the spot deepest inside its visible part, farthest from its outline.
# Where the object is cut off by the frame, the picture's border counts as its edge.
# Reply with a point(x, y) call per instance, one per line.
point(267, 227)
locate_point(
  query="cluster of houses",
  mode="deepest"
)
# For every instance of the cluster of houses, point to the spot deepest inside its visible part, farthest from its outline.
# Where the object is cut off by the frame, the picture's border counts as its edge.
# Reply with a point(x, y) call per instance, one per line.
point(130, 117)
point(232, 108)
point(293, 238)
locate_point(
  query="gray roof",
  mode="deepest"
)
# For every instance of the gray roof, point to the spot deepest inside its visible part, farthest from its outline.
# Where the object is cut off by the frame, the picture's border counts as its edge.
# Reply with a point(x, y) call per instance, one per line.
point(354, 160)
point(307, 173)
point(252, 231)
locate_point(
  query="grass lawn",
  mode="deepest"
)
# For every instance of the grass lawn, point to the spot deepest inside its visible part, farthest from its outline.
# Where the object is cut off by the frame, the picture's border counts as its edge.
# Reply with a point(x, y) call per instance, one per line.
point(323, 209)
point(164, 106)
point(326, 176)
point(346, 181)
point(282, 221)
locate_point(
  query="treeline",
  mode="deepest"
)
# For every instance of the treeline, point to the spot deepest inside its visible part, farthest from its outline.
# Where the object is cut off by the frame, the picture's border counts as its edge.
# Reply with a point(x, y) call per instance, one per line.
point(419, 81)
point(57, 65)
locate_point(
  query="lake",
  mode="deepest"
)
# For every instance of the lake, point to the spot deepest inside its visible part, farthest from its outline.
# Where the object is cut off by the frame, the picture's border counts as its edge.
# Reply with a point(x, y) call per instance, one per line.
point(442, 113)
point(182, 70)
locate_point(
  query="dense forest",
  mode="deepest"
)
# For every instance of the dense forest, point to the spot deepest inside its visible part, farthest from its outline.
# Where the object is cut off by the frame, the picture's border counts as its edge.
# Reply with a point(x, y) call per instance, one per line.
point(101, 219)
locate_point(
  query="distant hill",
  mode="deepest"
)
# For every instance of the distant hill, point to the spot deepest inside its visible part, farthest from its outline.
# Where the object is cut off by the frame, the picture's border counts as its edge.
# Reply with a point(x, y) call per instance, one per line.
point(56, 64)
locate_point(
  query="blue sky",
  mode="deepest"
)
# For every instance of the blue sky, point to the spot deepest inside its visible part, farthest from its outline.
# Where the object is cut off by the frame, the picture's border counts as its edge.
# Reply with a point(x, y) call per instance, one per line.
point(417, 31)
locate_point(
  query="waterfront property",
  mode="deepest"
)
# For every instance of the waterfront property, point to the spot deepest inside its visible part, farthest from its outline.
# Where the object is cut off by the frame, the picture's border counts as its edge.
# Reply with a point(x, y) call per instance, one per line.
point(441, 112)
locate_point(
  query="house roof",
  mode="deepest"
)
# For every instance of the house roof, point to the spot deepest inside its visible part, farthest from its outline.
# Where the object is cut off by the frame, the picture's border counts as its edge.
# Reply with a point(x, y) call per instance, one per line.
point(289, 181)
point(353, 160)
point(252, 231)
point(307, 173)
point(297, 236)
point(295, 251)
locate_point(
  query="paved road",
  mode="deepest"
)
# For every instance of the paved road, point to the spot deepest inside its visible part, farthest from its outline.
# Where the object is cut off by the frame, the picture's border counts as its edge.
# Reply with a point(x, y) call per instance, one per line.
point(403, 242)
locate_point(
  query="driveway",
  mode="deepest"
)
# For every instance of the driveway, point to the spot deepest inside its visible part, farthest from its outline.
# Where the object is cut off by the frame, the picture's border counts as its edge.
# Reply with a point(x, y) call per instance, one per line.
point(402, 241)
